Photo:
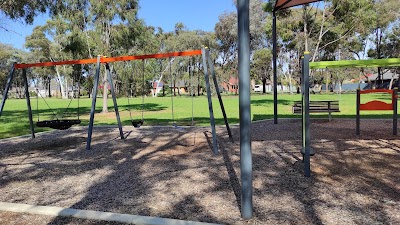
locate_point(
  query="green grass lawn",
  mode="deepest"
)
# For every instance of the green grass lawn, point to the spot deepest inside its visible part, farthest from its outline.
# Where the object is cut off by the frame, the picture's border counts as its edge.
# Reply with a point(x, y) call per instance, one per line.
point(157, 111)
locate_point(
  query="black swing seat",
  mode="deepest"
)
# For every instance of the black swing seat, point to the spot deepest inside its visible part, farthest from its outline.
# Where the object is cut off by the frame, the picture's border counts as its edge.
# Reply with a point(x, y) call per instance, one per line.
point(137, 123)
point(58, 124)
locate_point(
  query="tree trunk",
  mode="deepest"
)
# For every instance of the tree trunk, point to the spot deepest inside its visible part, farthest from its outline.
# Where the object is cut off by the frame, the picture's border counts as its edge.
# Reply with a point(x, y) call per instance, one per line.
point(290, 83)
point(237, 86)
point(63, 92)
point(49, 87)
point(174, 88)
point(264, 82)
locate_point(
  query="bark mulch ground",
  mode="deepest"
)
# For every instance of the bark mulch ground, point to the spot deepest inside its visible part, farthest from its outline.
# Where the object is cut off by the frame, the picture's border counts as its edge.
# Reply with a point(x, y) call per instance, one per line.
point(172, 172)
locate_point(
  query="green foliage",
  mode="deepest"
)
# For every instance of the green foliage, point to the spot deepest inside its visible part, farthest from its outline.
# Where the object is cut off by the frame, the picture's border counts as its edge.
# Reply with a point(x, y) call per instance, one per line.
point(8, 56)
point(25, 9)
point(261, 64)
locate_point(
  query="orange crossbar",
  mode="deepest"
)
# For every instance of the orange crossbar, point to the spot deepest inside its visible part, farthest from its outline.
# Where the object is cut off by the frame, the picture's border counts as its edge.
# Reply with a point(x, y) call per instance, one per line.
point(112, 59)
point(153, 56)
point(42, 64)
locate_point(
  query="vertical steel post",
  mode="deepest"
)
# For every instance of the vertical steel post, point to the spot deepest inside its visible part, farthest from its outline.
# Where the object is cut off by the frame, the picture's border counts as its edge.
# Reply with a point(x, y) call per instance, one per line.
point(275, 75)
point(191, 89)
point(221, 103)
point(303, 140)
point(358, 101)
point(246, 170)
point(307, 114)
point(28, 103)
point(93, 109)
point(121, 133)
point(210, 107)
point(8, 85)
point(394, 103)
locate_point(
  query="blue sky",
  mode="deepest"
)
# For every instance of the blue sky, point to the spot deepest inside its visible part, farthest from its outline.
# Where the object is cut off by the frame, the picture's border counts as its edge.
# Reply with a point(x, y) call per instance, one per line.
point(195, 14)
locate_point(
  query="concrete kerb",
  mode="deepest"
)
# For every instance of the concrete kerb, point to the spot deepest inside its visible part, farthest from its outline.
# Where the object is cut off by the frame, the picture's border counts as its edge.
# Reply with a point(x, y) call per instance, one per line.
point(93, 215)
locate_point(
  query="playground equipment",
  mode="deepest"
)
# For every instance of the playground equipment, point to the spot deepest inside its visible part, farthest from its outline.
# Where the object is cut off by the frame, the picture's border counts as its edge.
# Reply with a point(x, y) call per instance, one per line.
point(377, 105)
point(138, 123)
point(64, 124)
point(59, 124)
point(374, 105)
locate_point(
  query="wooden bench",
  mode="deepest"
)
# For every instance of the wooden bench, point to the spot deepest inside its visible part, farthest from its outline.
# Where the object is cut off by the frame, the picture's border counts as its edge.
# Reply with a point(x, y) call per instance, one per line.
point(318, 107)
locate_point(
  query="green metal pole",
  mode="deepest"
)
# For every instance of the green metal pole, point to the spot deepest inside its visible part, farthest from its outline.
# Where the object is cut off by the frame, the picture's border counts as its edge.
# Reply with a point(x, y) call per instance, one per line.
point(306, 70)
point(394, 99)
point(358, 111)
point(274, 56)
point(303, 140)
point(246, 171)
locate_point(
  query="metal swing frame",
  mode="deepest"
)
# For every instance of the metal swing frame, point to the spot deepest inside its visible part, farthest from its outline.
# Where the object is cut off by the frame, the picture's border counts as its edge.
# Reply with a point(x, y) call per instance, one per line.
point(104, 60)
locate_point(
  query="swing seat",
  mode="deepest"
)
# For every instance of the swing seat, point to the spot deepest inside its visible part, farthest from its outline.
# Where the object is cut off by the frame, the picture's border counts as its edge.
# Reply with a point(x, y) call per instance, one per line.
point(137, 123)
point(58, 124)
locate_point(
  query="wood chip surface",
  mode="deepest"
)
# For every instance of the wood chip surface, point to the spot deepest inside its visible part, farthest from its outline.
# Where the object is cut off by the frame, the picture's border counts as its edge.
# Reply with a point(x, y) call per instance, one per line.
point(172, 173)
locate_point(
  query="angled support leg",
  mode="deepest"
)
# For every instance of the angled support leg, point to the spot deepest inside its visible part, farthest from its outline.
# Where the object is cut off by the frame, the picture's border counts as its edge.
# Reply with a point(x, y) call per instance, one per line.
point(28, 103)
point(221, 103)
point(210, 107)
point(8, 85)
point(121, 133)
point(92, 111)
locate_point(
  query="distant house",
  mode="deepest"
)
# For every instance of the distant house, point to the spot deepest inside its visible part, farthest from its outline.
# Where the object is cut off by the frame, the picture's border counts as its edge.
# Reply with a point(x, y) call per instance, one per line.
point(389, 78)
point(232, 85)
point(179, 86)
point(156, 87)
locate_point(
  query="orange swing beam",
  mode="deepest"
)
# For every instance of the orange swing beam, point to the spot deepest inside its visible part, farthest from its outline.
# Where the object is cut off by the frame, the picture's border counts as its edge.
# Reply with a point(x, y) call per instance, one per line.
point(108, 60)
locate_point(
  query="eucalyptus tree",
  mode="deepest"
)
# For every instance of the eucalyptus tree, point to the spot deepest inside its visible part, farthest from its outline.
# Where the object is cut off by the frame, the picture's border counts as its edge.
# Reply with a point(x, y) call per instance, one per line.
point(386, 13)
point(324, 29)
point(185, 40)
point(260, 68)
point(226, 36)
point(103, 16)
point(8, 56)
point(26, 9)
point(40, 47)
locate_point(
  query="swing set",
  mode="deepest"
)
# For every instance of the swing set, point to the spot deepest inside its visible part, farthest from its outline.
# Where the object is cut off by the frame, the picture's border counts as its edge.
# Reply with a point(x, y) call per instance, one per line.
point(63, 124)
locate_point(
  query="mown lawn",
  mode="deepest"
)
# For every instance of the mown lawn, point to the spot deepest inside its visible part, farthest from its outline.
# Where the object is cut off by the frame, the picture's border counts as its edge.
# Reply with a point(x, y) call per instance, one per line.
point(158, 111)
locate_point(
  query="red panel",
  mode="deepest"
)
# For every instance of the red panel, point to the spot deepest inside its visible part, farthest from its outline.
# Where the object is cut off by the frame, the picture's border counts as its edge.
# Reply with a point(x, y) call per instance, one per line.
point(376, 105)
point(376, 91)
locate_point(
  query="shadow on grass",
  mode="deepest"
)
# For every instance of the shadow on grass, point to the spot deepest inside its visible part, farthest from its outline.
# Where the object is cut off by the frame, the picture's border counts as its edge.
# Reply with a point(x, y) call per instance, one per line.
point(269, 102)
point(257, 117)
